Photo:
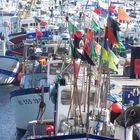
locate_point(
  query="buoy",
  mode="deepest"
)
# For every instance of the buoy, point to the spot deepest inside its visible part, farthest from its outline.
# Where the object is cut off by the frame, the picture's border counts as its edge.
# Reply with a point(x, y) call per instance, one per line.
point(50, 130)
point(116, 107)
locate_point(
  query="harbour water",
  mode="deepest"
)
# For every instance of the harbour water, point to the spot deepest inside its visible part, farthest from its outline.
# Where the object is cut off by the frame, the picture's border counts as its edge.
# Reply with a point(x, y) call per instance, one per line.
point(7, 118)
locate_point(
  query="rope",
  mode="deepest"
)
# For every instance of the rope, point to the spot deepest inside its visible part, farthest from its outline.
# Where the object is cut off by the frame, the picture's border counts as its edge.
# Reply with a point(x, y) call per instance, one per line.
point(42, 107)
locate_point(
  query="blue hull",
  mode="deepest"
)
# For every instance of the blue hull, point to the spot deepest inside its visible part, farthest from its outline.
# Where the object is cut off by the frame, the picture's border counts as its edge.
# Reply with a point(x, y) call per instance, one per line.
point(76, 137)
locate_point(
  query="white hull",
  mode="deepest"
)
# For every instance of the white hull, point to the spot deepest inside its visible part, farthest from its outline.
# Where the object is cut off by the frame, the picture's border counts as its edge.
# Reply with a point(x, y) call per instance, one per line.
point(26, 107)
point(8, 69)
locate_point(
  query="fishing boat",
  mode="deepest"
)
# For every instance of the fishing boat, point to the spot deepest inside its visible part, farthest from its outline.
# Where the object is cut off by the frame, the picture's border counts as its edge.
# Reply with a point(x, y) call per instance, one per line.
point(9, 65)
point(25, 29)
point(26, 101)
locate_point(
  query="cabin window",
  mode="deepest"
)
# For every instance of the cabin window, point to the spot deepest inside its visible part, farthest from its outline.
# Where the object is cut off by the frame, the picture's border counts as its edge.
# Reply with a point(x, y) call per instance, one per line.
point(24, 25)
point(50, 50)
point(32, 24)
point(55, 68)
point(65, 97)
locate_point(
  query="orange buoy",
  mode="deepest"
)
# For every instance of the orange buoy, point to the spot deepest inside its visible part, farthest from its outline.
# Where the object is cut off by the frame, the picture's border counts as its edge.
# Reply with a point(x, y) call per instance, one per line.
point(50, 130)
point(116, 107)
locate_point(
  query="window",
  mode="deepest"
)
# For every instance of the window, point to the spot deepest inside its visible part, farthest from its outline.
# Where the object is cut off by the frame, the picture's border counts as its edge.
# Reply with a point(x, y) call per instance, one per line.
point(55, 68)
point(65, 97)
point(24, 25)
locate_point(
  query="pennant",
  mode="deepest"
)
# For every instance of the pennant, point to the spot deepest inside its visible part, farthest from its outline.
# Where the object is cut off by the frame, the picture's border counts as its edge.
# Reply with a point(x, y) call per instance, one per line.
point(122, 15)
point(38, 32)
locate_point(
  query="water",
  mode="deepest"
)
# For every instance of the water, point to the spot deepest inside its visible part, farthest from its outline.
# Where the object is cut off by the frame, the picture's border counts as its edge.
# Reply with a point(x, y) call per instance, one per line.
point(7, 118)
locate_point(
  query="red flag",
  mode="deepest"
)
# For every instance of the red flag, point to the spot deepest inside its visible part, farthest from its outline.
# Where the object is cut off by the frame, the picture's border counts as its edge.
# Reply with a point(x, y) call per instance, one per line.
point(111, 8)
point(76, 69)
point(78, 34)
point(38, 32)
point(89, 34)
point(43, 23)
point(87, 48)
point(98, 11)
point(111, 37)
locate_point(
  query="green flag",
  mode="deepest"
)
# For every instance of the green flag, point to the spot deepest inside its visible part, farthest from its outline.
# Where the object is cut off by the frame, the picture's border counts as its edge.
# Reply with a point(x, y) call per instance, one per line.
point(113, 60)
point(95, 26)
point(118, 37)
point(92, 50)
point(112, 66)
point(72, 27)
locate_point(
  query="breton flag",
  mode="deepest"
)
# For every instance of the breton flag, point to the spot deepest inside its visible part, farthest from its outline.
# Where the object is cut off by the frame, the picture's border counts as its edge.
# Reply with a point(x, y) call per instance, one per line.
point(122, 15)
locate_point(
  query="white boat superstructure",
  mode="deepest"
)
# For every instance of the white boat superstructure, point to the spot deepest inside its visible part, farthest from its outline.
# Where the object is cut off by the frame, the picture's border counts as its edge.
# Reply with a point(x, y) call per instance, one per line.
point(9, 65)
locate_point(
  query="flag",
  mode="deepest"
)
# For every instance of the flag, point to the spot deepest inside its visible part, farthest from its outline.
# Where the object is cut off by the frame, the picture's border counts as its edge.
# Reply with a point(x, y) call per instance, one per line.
point(88, 59)
point(104, 55)
point(89, 35)
point(38, 32)
point(114, 25)
point(111, 8)
point(112, 66)
point(92, 50)
point(97, 48)
point(43, 23)
point(72, 27)
point(113, 57)
point(106, 44)
point(75, 53)
point(111, 37)
point(104, 51)
point(98, 11)
point(76, 41)
point(87, 48)
point(118, 37)
point(122, 15)
point(113, 60)
point(78, 34)
point(95, 26)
